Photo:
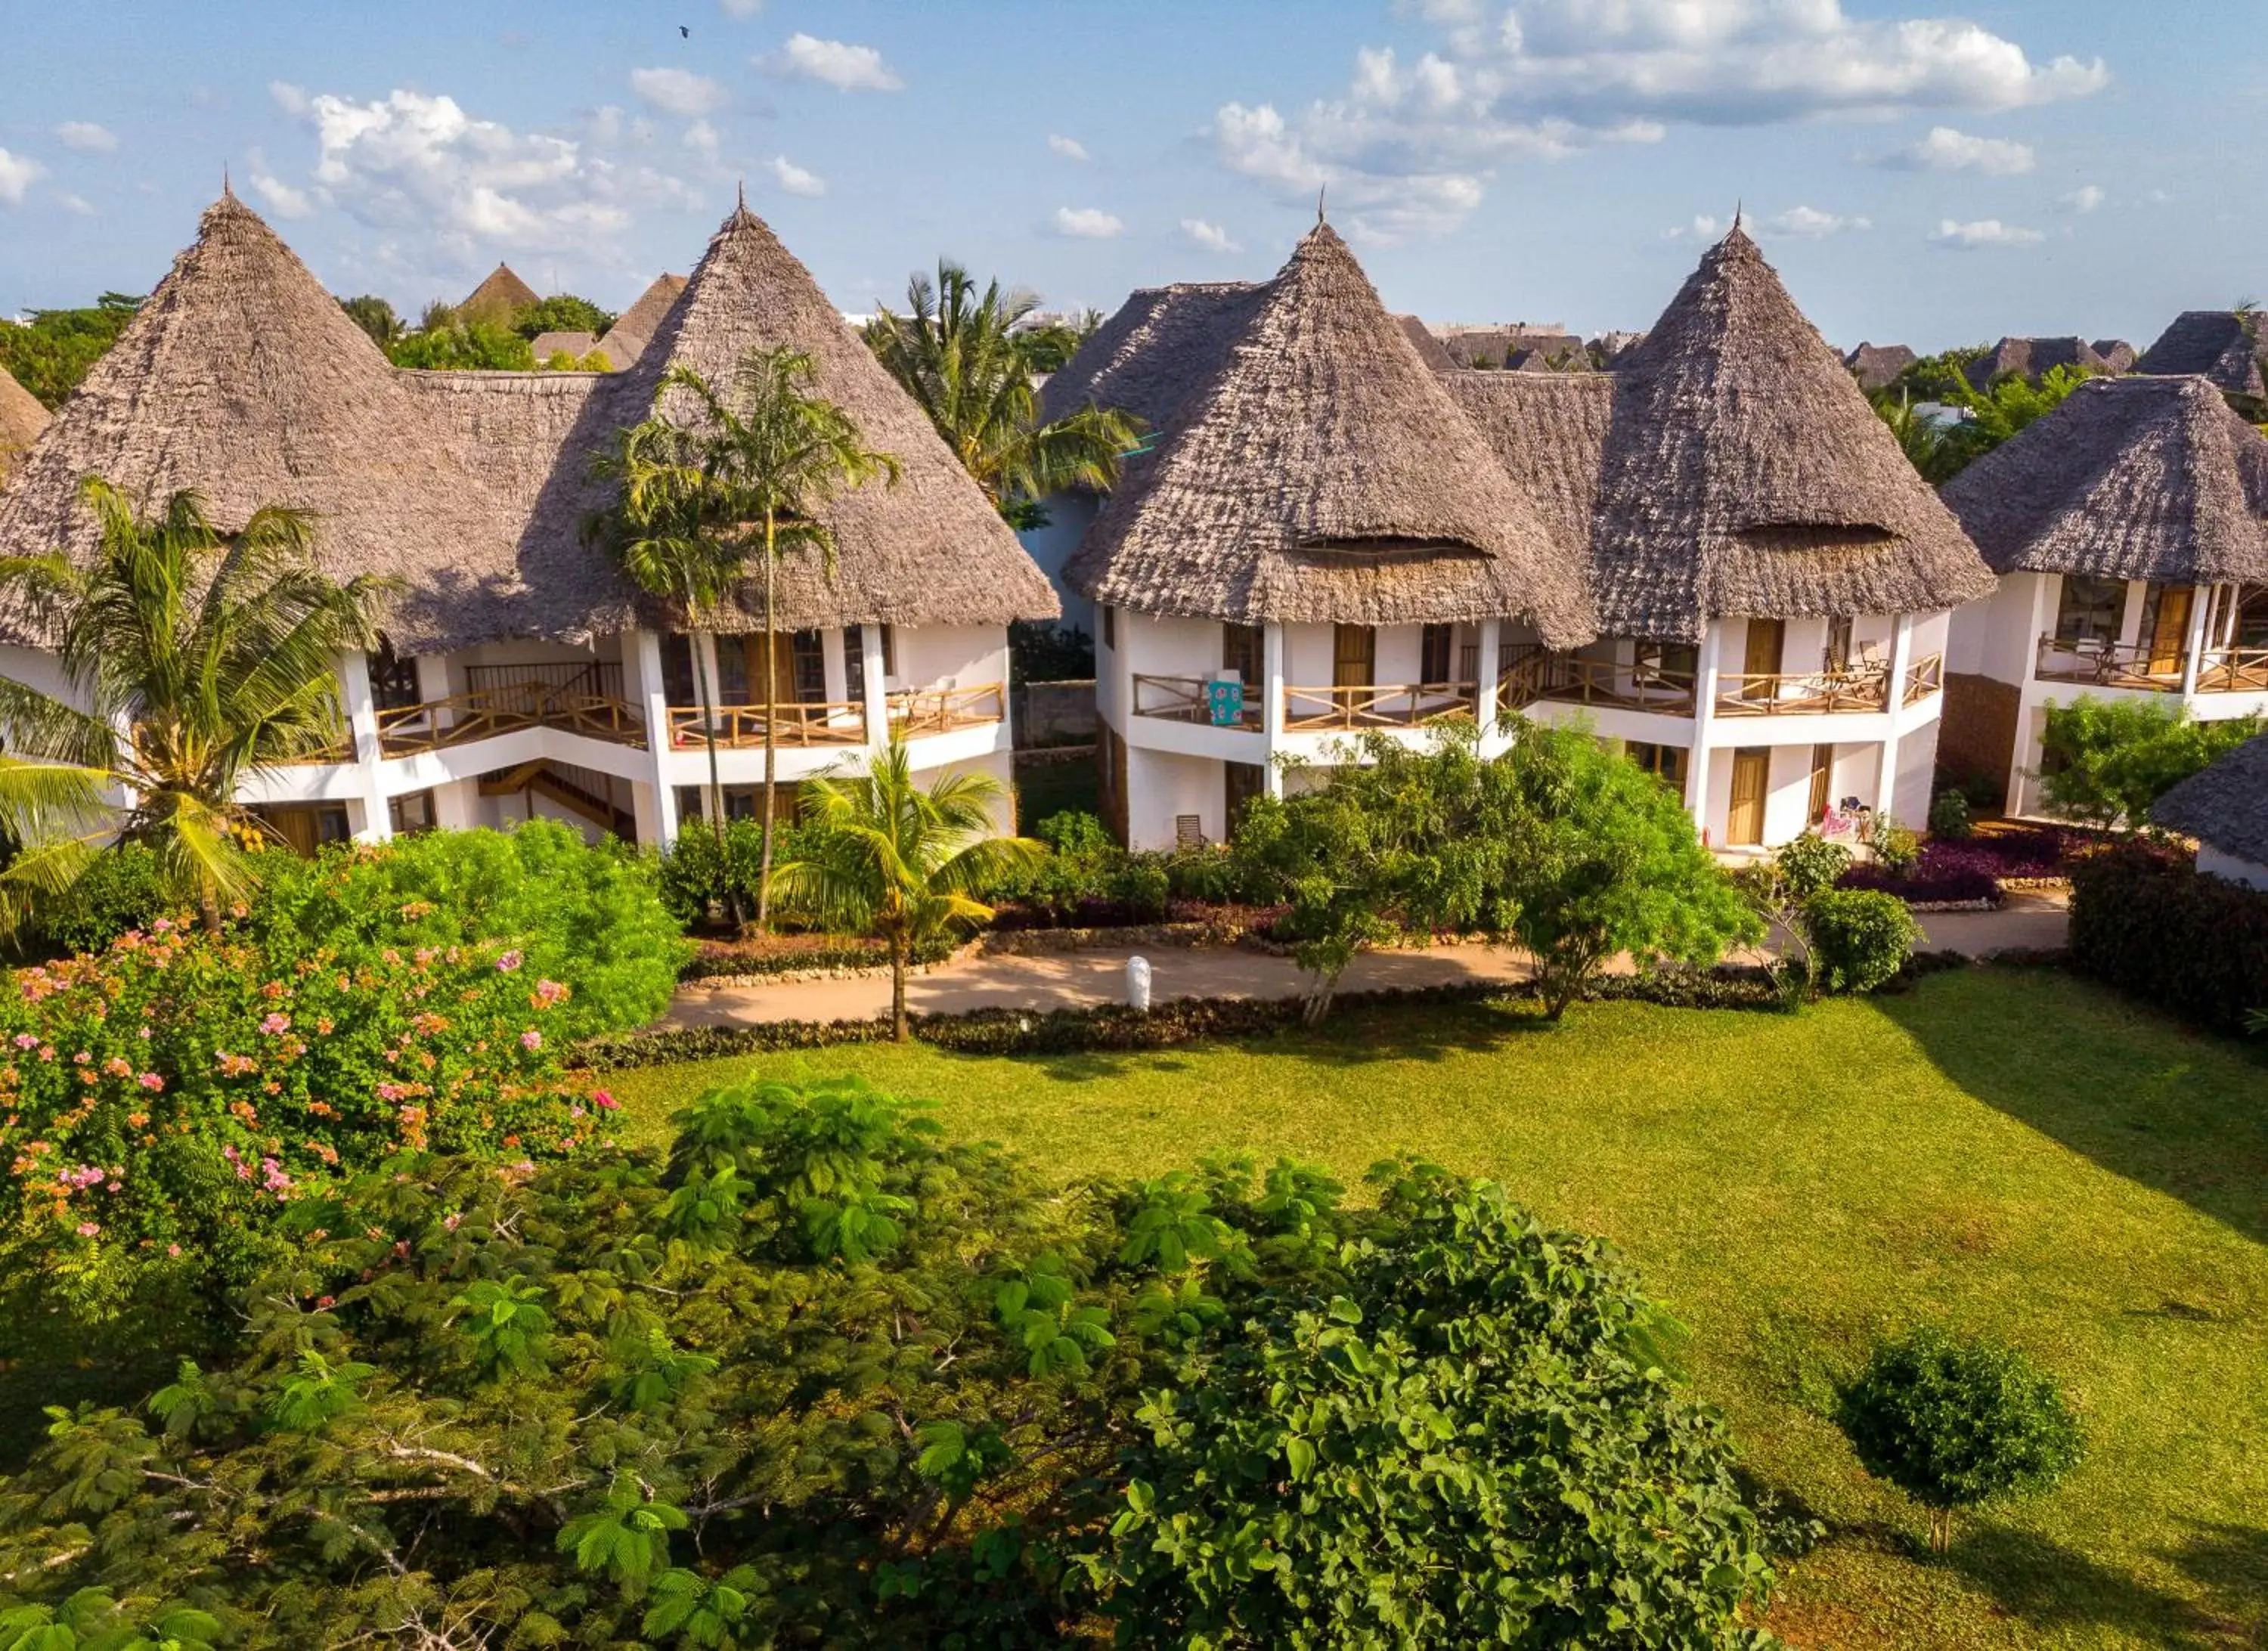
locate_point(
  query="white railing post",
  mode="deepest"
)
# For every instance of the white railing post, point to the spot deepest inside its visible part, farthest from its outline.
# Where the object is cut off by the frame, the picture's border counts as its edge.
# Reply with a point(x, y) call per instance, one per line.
point(362, 723)
point(653, 704)
point(1488, 689)
point(1271, 706)
point(1705, 716)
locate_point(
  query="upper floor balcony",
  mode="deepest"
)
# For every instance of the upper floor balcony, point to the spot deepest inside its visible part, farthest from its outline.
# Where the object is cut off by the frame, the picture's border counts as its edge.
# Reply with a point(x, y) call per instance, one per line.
point(1667, 682)
point(2150, 666)
point(913, 714)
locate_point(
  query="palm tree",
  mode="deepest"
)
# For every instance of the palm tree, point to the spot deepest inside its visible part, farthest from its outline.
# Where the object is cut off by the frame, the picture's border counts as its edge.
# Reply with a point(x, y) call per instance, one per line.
point(968, 358)
point(196, 660)
point(747, 480)
point(888, 859)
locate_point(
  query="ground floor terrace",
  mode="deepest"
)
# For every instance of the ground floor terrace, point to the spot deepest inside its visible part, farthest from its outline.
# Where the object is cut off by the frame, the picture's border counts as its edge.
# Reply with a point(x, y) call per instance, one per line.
point(2045, 639)
point(1766, 727)
point(612, 737)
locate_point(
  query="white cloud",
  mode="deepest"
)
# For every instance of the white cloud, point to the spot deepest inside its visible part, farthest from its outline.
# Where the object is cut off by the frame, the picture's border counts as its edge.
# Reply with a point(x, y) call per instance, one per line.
point(410, 162)
point(1069, 148)
point(1410, 145)
point(289, 98)
point(280, 197)
point(1946, 149)
point(1088, 222)
point(702, 138)
point(1808, 223)
point(794, 178)
point(837, 64)
point(1212, 237)
point(678, 91)
point(77, 203)
point(1985, 232)
point(17, 173)
point(86, 138)
point(740, 9)
point(2082, 200)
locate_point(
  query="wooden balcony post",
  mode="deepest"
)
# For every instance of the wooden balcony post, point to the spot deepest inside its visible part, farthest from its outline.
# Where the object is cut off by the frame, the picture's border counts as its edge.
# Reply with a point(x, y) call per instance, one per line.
point(361, 726)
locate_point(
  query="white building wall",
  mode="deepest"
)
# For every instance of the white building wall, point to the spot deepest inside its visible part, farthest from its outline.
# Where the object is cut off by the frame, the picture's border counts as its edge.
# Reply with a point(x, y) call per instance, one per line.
point(929, 656)
point(1161, 786)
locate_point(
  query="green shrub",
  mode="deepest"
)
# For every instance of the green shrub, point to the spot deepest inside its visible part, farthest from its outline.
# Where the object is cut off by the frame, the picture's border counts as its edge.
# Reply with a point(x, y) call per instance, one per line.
point(1897, 845)
point(699, 873)
point(1949, 817)
point(2105, 761)
point(121, 890)
point(591, 919)
point(1859, 937)
point(2149, 923)
point(1809, 865)
point(1957, 1423)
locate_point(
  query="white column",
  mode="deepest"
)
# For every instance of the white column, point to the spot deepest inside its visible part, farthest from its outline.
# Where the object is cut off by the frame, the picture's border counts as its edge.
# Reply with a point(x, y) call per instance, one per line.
point(1485, 706)
point(1886, 784)
point(362, 723)
point(645, 656)
point(2046, 587)
point(1271, 707)
point(2193, 643)
point(1704, 716)
point(877, 690)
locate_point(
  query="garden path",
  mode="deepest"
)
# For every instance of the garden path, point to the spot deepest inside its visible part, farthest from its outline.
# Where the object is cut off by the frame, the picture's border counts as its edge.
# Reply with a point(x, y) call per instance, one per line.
point(1068, 980)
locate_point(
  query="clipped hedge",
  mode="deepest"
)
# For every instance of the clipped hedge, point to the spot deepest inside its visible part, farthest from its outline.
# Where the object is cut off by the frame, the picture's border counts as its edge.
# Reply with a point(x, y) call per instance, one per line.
point(2147, 922)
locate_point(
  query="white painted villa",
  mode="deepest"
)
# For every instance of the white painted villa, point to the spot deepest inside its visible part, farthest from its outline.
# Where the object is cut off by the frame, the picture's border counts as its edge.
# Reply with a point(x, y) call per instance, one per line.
point(1716, 554)
point(522, 675)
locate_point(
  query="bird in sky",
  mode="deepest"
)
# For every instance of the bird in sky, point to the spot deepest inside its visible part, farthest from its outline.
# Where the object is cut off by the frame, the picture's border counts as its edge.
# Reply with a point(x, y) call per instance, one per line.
point(684, 32)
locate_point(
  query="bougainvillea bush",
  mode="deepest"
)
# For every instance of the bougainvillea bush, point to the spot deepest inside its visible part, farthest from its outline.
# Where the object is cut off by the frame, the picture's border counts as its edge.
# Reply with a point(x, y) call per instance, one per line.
point(161, 1101)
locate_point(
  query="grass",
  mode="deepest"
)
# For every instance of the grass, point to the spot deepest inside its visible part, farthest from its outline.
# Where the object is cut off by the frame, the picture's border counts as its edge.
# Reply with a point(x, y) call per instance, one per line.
point(2009, 1152)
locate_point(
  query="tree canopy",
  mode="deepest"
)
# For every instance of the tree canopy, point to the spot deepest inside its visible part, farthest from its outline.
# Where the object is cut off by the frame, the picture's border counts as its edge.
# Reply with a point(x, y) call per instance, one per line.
point(2105, 761)
point(561, 312)
point(375, 316)
point(1942, 448)
point(51, 352)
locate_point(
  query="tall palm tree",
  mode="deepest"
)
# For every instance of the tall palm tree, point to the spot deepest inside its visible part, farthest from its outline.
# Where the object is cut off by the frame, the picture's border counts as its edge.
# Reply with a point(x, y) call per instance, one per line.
point(885, 857)
point(968, 358)
point(744, 481)
point(195, 660)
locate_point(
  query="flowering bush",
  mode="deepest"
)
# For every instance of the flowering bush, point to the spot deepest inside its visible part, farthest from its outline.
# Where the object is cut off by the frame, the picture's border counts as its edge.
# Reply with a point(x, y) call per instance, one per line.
point(1971, 868)
point(160, 1100)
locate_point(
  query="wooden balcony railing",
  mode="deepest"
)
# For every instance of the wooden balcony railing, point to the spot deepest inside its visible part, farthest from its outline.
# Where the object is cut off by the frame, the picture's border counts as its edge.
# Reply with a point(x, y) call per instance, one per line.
point(1803, 693)
point(482, 713)
point(602, 677)
point(1182, 699)
point(2102, 663)
point(1399, 706)
point(1536, 674)
point(1925, 677)
point(2233, 671)
point(916, 711)
point(797, 723)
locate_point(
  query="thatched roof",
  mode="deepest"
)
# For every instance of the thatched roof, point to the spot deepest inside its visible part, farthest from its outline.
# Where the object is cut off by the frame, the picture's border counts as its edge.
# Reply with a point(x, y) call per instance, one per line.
point(22, 418)
point(499, 298)
point(1744, 474)
point(1423, 341)
point(2134, 478)
point(242, 378)
point(634, 329)
point(1161, 344)
point(2223, 345)
point(2118, 355)
point(2225, 805)
point(2030, 358)
point(1321, 472)
point(1548, 429)
point(575, 344)
point(1874, 365)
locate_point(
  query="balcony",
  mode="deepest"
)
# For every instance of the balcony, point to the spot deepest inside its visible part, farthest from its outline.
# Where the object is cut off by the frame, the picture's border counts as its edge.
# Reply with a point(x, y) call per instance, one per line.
point(1401, 705)
point(2233, 671)
point(914, 713)
point(1861, 690)
point(2100, 662)
point(1536, 674)
point(1182, 699)
point(1925, 677)
point(584, 697)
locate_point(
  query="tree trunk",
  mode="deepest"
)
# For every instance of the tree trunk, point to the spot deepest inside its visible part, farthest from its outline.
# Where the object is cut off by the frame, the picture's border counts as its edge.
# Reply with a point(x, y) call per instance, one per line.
point(898, 1028)
point(771, 716)
point(208, 909)
point(1317, 1002)
point(707, 695)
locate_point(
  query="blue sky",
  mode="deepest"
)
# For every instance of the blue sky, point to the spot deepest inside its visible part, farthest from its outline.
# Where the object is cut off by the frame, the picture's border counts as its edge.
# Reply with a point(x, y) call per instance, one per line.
point(1923, 173)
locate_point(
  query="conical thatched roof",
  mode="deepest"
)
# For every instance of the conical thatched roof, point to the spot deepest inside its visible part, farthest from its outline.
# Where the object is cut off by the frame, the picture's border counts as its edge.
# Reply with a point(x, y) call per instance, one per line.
point(2133, 478)
point(22, 418)
point(240, 376)
point(1422, 339)
point(2224, 806)
point(1744, 474)
point(624, 342)
point(2223, 345)
point(2030, 358)
point(1323, 473)
point(930, 550)
point(499, 298)
point(1874, 365)
point(1156, 350)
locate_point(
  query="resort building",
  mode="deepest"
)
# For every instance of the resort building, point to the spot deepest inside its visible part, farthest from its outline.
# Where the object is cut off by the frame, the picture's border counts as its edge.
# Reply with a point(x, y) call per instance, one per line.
point(520, 675)
point(2130, 531)
point(1715, 555)
point(2225, 807)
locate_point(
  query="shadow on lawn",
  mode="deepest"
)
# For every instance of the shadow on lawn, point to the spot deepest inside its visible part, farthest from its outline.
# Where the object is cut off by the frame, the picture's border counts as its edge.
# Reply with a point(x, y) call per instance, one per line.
point(2140, 1094)
point(2049, 1585)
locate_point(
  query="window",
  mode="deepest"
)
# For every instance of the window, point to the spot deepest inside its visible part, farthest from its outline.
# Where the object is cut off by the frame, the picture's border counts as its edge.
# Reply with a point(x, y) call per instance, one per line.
point(1838, 643)
point(889, 652)
point(677, 683)
point(854, 663)
point(2089, 609)
point(1109, 627)
point(394, 679)
point(807, 658)
point(1436, 648)
point(1666, 762)
point(412, 814)
point(1243, 650)
point(2251, 630)
point(1679, 661)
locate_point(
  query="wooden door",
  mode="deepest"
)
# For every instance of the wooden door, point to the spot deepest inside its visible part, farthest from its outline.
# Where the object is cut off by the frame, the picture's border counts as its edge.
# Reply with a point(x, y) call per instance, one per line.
point(1242, 649)
point(2169, 631)
point(1744, 823)
point(1354, 656)
point(1767, 637)
point(1240, 783)
point(1436, 647)
point(1823, 781)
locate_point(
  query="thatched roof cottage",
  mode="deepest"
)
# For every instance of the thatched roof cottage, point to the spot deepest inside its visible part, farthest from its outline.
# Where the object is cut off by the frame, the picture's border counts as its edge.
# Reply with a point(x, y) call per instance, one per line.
point(516, 653)
point(2130, 531)
point(498, 299)
point(2225, 807)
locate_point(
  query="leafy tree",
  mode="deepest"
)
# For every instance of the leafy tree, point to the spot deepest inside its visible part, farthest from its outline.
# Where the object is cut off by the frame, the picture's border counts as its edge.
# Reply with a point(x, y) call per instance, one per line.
point(194, 662)
point(1941, 448)
point(375, 316)
point(463, 347)
point(821, 1377)
point(1606, 863)
point(1957, 1423)
point(747, 480)
point(962, 354)
point(1861, 937)
point(1048, 345)
point(2105, 762)
point(561, 312)
point(51, 352)
point(883, 855)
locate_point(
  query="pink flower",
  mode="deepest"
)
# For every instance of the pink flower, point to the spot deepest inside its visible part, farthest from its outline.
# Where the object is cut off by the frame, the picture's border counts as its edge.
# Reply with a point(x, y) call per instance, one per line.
point(531, 1039)
point(275, 1024)
point(604, 1101)
point(509, 961)
point(82, 1060)
point(25, 1040)
point(150, 1081)
point(88, 1230)
point(450, 1219)
point(173, 1249)
point(164, 925)
point(549, 992)
point(324, 1303)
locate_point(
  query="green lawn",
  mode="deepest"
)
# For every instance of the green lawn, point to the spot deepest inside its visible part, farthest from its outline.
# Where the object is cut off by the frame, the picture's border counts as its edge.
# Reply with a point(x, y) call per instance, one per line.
point(2008, 1152)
